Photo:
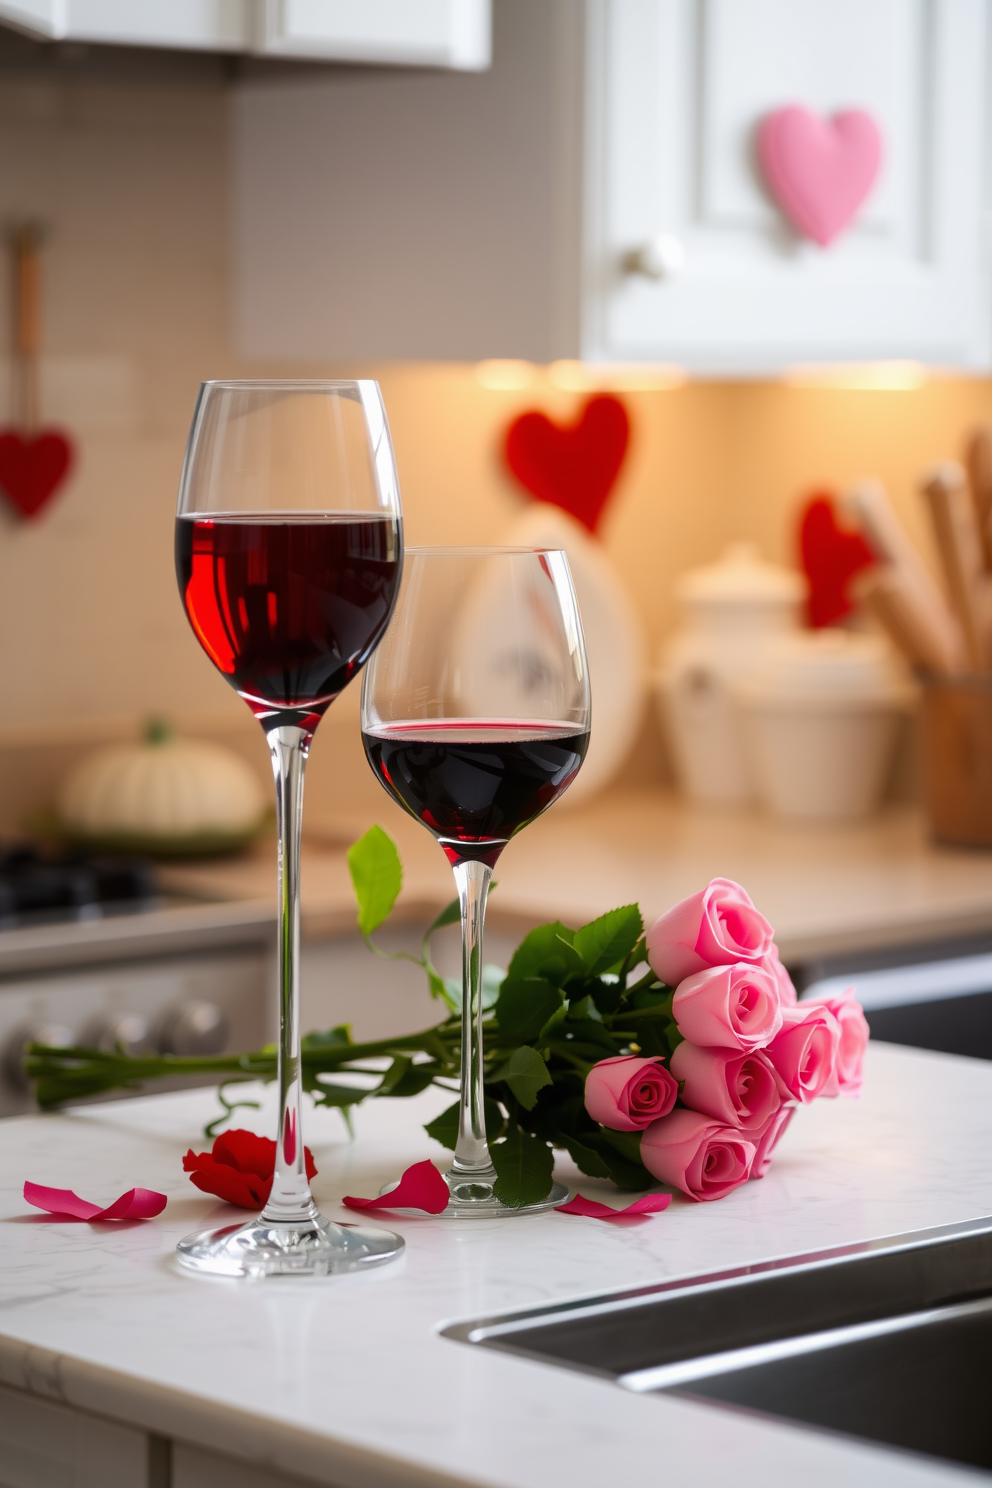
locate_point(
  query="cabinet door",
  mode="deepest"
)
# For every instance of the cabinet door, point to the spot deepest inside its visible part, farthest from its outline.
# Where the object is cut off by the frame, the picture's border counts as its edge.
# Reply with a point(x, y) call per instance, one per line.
point(199, 25)
point(677, 89)
point(438, 33)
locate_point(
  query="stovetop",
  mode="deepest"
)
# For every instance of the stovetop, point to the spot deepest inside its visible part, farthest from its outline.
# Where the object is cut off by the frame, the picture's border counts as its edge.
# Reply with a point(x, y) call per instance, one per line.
point(43, 888)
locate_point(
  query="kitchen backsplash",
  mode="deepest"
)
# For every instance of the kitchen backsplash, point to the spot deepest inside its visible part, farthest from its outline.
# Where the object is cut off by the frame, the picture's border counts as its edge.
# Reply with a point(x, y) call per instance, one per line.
point(130, 174)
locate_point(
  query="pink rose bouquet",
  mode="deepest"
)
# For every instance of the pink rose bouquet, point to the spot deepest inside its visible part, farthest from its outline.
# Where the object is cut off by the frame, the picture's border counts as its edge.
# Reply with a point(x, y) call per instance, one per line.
point(743, 1053)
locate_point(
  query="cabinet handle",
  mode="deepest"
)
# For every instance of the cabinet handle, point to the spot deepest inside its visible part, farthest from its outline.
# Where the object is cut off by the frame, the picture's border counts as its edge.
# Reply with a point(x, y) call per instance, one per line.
point(661, 258)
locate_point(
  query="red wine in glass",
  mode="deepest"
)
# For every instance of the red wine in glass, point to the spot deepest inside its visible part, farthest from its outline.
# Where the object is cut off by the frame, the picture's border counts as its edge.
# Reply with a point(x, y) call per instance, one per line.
point(475, 783)
point(288, 607)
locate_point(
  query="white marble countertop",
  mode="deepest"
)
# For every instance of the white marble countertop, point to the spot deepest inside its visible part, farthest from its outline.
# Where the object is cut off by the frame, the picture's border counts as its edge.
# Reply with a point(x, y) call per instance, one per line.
point(346, 1381)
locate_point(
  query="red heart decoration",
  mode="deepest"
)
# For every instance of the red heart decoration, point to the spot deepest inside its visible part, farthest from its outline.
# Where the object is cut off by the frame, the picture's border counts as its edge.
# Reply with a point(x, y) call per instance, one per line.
point(831, 557)
point(574, 467)
point(33, 466)
point(819, 170)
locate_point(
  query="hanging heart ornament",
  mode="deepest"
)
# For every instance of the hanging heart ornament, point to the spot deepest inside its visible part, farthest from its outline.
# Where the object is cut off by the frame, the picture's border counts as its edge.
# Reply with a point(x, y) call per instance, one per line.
point(574, 466)
point(819, 171)
point(33, 467)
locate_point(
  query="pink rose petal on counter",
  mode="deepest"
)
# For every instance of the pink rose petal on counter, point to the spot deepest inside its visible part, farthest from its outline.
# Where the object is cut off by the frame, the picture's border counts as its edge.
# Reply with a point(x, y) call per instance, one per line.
point(591, 1209)
point(421, 1187)
point(137, 1203)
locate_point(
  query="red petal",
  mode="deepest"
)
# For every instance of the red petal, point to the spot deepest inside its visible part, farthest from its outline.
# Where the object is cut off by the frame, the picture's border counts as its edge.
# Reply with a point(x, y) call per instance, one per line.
point(137, 1203)
point(311, 1165)
point(421, 1187)
point(246, 1152)
point(246, 1190)
point(591, 1209)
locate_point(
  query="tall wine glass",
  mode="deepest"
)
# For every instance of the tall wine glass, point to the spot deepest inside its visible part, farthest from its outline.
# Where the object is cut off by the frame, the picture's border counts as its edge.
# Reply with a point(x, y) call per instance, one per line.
point(288, 553)
point(475, 718)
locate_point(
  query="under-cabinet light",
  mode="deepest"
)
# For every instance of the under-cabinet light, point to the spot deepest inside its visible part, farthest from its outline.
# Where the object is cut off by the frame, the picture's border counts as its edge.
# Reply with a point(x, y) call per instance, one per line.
point(505, 376)
point(879, 377)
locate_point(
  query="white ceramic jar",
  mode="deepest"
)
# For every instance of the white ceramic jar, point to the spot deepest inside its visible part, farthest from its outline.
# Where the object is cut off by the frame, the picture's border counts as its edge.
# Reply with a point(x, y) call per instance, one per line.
point(821, 715)
point(732, 610)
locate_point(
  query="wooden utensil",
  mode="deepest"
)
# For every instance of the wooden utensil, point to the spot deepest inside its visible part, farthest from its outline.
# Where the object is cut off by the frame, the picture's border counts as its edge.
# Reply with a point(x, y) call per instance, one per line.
point(910, 591)
point(978, 463)
point(884, 592)
point(968, 583)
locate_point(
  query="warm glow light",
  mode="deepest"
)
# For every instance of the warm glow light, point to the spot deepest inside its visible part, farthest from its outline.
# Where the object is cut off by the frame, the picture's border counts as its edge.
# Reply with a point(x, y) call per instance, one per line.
point(879, 377)
point(505, 376)
point(584, 377)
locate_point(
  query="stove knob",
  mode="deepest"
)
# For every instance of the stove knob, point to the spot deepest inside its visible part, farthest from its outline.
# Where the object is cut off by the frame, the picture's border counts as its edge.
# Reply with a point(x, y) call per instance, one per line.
point(194, 1028)
point(127, 1031)
point(57, 1035)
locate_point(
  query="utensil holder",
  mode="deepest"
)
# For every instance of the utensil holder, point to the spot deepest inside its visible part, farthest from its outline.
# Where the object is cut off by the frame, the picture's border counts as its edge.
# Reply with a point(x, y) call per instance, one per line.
point(957, 759)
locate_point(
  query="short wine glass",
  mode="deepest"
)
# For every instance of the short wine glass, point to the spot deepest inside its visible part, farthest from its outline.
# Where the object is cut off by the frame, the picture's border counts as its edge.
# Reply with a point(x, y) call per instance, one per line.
point(475, 719)
point(289, 553)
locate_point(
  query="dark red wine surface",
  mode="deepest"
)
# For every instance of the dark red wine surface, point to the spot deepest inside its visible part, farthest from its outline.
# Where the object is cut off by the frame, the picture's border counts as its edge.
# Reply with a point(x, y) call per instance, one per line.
point(474, 784)
point(288, 608)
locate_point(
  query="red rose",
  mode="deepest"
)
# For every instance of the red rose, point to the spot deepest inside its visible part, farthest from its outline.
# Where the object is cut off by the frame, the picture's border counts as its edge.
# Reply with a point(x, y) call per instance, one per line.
point(238, 1168)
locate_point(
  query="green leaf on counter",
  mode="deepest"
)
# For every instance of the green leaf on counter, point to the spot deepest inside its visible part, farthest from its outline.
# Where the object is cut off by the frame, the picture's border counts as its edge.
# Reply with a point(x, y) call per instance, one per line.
point(526, 1073)
point(404, 1078)
point(328, 1038)
point(377, 876)
point(608, 941)
point(444, 1128)
point(524, 1165)
point(524, 1006)
point(547, 952)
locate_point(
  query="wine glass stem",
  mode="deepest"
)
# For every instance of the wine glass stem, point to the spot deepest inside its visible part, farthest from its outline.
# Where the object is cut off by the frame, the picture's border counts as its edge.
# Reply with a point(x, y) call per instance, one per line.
point(472, 1151)
point(290, 1196)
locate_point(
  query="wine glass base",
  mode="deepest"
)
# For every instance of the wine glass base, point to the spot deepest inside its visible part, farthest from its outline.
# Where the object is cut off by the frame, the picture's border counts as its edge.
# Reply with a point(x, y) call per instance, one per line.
point(489, 1207)
point(310, 1247)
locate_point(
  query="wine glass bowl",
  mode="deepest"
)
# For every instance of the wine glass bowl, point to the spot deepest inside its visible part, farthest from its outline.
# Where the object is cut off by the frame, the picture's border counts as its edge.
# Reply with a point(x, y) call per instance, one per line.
point(475, 719)
point(289, 554)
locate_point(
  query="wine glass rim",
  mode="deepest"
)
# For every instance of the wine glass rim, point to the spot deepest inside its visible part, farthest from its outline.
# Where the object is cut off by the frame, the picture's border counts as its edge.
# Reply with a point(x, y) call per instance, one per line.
point(281, 383)
point(499, 550)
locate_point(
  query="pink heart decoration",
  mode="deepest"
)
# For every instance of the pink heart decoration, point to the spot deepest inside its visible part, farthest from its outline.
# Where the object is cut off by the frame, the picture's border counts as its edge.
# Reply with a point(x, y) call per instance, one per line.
point(33, 466)
point(819, 170)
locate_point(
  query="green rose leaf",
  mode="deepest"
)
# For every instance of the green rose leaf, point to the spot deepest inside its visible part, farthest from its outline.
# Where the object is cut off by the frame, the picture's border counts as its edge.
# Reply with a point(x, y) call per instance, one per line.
point(524, 1006)
point(328, 1038)
point(450, 915)
point(524, 1165)
point(327, 1094)
point(377, 876)
point(547, 952)
point(404, 1078)
point(585, 1158)
point(606, 942)
point(444, 1128)
point(526, 1073)
point(620, 1154)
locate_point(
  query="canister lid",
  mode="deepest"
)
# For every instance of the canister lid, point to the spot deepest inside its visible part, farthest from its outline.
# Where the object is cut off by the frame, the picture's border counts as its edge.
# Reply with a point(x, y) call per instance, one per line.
point(741, 577)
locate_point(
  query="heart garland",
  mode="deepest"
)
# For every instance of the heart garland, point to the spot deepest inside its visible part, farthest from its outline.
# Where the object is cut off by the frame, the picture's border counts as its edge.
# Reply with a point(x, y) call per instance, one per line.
point(33, 467)
point(819, 170)
point(574, 466)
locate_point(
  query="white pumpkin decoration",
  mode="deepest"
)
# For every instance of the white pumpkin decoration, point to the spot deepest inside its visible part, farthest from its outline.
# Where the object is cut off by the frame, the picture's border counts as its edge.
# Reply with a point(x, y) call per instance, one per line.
point(165, 788)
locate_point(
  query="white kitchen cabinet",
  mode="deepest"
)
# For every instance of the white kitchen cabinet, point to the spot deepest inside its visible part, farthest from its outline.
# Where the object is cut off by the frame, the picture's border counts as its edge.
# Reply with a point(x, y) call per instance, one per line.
point(435, 33)
point(499, 216)
point(677, 89)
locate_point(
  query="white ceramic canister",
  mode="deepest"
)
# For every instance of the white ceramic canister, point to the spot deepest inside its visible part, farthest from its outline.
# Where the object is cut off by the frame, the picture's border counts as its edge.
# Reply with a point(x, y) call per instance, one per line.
point(732, 610)
point(821, 714)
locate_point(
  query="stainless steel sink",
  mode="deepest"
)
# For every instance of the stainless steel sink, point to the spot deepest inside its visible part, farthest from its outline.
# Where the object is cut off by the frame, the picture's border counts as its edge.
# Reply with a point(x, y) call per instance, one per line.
point(889, 1340)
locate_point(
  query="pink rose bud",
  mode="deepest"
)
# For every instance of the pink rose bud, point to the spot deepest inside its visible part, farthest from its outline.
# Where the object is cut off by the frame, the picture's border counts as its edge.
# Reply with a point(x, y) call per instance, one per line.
point(729, 1007)
point(738, 1089)
point(786, 991)
point(628, 1093)
point(805, 1052)
point(703, 1158)
point(769, 1138)
point(716, 927)
point(849, 1066)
